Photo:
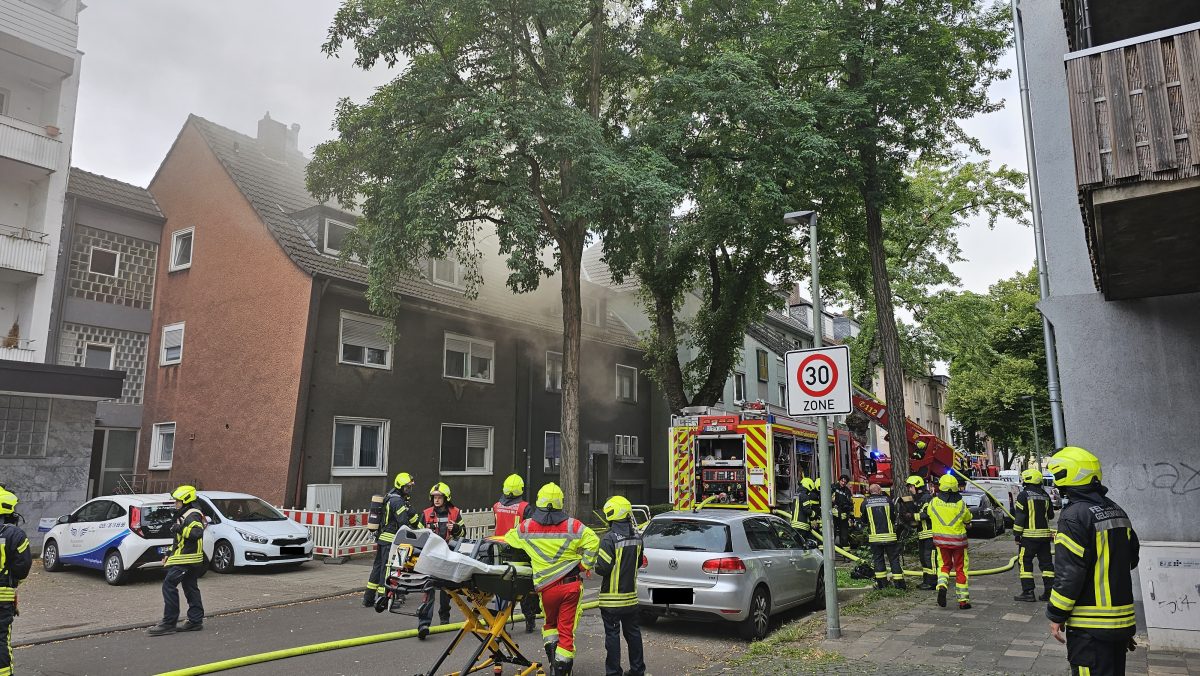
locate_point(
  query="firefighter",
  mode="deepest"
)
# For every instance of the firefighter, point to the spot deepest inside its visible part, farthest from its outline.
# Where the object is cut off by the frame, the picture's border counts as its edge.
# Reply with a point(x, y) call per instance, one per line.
point(397, 511)
point(511, 509)
point(800, 510)
point(617, 563)
point(881, 535)
point(812, 502)
point(948, 517)
point(925, 533)
point(184, 565)
point(908, 509)
point(1094, 550)
point(843, 507)
point(1031, 528)
point(445, 520)
point(15, 561)
point(559, 547)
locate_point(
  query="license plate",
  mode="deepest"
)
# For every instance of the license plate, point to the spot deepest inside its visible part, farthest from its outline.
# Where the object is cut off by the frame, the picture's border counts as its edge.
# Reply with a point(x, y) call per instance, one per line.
point(291, 551)
point(675, 596)
point(162, 551)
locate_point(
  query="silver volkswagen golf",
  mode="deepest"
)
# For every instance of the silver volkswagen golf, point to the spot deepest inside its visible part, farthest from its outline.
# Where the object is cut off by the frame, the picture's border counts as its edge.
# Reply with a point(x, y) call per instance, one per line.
point(719, 564)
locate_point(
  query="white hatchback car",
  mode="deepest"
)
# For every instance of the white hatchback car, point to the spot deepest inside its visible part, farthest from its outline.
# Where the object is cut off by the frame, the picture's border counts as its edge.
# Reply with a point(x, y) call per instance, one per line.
point(112, 533)
point(244, 530)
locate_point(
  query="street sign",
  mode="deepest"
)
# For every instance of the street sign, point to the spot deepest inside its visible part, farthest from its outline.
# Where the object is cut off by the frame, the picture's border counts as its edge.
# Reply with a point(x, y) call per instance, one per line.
point(818, 381)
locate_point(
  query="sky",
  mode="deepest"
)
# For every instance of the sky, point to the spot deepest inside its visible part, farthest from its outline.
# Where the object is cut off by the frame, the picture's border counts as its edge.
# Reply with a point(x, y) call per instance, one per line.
point(147, 64)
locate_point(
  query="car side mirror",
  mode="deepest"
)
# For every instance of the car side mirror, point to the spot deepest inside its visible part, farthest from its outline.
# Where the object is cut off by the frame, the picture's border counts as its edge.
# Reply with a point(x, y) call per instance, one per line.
point(65, 518)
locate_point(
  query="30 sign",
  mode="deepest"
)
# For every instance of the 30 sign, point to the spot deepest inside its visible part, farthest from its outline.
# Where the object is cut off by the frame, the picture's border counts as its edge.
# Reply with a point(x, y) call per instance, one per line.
point(819, 381)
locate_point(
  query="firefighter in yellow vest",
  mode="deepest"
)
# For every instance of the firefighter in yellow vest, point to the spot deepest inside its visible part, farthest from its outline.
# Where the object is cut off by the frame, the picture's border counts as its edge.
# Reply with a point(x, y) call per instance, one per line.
point(617, 564)
point(881, 535)
point(949, 517)
point(15, 562)
point(1031, 528)
point(1094, 550)
point(559, 548)
point(184, 565)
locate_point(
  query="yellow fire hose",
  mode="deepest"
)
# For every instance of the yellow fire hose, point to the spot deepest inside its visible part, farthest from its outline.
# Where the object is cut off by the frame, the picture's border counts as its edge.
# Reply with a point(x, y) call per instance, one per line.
point(297, 651)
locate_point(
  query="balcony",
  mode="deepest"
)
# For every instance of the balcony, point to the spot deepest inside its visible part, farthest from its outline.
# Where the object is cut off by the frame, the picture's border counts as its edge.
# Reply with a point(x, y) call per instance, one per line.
point(1135, 121)
point(29, 146)
point(44, 32)
point(22, 253)
point(19, 351)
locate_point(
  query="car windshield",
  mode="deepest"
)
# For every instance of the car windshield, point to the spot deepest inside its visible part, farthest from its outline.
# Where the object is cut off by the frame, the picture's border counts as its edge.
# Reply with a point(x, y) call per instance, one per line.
point(686, 535)
point(247, 509)
point(972, 499)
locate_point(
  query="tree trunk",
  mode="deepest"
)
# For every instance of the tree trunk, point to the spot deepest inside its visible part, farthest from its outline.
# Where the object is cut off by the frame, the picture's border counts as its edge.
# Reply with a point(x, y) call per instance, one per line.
point(570, 470)
point(889, 338)
point(665, 357)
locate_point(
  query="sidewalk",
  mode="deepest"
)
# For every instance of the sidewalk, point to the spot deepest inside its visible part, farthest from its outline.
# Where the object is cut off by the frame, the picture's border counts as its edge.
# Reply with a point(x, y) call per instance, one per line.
point(77, 602)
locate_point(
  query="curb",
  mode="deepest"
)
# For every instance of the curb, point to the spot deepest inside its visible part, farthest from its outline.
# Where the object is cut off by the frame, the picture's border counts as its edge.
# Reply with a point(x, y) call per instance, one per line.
point(67, 636)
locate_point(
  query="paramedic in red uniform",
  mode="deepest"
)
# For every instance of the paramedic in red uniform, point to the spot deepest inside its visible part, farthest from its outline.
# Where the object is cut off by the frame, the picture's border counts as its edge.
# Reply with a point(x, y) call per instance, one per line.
point(511, 509)
point(445, 520)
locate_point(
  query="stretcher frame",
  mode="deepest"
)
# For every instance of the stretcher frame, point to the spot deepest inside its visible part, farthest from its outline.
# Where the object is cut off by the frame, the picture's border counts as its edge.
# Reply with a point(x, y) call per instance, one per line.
point(491, 630)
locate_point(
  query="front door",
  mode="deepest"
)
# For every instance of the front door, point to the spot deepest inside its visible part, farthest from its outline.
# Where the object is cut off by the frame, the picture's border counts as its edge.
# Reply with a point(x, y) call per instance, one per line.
point(114, 452)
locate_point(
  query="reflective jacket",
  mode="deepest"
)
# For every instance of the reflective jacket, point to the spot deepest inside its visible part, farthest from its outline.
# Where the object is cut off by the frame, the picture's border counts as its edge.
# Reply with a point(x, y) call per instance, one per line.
point(812, 502)
point(923, 499)
point(843, 502)
point(1032, 513)
point(558, 545)
point(908, 510)
point(509, 512)
point(1094, 550)
point(878, 511)
point(397, 512)
point(800, 514)
point(948, 518)
point(617, 562)
point(188, 530)
point(15, 561)
point(447, 523)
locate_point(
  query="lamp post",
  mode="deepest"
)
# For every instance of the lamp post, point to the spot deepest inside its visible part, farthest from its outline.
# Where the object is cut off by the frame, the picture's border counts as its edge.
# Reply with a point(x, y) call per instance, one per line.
point(1036, 443)
point(833, 627)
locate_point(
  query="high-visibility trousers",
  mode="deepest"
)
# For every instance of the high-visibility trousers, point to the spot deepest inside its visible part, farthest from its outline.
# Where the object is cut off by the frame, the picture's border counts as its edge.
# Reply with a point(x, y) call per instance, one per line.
point(560, 601)
point(954, 559)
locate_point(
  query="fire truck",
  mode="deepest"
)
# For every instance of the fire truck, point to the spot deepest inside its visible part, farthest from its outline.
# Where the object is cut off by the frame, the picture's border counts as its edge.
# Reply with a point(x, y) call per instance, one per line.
point(928, 454)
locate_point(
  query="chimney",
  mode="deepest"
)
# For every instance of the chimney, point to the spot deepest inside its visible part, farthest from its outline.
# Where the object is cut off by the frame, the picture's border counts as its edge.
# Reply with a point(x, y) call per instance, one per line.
point(272, 137)
point(293, 139)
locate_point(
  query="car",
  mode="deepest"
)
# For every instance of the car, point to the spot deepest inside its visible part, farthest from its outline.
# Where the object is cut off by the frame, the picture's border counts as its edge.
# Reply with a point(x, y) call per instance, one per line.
point(1005, 492)
point(725, 565)
point(1056, 498)
point(986, 515)
point(245, 531)
point(113, 533)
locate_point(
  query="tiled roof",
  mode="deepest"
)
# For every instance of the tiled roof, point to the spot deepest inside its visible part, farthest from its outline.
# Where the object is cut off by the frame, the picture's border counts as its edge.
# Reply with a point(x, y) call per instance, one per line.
point(597, 271)
point(276, 189)
point(113, 192)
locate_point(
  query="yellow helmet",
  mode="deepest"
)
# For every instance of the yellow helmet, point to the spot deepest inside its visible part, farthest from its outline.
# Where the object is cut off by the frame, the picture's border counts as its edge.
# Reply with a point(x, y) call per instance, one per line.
point(917, 481)
point(948, 483)
point(441, 488)
point(921, 445)
point(8, 501)
point(808, 484)
point(402, 479)
point(550, 496)
point(1032, 476)
point(514, 485)
point(1073, 466)
point(185, 494)
point(617, 508)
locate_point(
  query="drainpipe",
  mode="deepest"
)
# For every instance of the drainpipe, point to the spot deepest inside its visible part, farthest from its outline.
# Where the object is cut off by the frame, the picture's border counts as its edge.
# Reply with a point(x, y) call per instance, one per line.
point(1056, 411)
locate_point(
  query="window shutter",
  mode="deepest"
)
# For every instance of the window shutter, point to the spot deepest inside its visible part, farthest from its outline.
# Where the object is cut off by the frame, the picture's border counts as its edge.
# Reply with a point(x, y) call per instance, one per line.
point(458, 345)
point(478, 437)
point(364, 334)
point(633, 443)
point(173, 338)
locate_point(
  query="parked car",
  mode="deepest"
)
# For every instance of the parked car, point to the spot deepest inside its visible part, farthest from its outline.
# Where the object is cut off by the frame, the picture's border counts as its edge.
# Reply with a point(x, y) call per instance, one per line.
point(244, 530)
point(1056, 498)
point(1005, 492)
point(112, 533)
point(986, 515)
point(726, 565)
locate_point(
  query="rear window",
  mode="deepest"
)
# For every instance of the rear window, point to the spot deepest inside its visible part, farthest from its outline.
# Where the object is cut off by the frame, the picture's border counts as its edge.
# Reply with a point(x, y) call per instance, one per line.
point(688, 535)
point(972, 499)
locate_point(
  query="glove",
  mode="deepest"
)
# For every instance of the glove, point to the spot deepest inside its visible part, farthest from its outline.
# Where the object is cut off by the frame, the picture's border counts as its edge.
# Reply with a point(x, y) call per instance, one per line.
point(1017, 539)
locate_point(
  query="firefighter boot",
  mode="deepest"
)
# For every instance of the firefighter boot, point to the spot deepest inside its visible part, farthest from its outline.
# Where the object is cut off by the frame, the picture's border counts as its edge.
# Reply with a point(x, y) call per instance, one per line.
point(941, 596)
point(530, 625)
point(1045, 593)
point(899, 582)
point(964, 605)
point(1026, 595)
point(550, 648)
point(562, 667)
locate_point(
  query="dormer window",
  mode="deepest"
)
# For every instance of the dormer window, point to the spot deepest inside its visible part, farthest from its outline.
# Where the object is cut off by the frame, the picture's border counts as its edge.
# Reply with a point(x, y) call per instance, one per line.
point(591, 311)
point(335, 236)
point(447, 272)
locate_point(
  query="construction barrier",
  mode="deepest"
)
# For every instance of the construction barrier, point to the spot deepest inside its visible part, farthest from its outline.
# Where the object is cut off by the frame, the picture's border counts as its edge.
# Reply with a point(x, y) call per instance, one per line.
point(341, 534)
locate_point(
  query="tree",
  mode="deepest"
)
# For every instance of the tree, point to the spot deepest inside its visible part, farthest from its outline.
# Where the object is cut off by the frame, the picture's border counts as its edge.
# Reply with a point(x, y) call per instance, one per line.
point(507, 114)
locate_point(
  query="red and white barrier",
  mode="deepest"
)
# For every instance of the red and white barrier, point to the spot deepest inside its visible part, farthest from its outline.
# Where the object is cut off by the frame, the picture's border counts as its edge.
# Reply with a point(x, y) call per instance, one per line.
point(341, 534)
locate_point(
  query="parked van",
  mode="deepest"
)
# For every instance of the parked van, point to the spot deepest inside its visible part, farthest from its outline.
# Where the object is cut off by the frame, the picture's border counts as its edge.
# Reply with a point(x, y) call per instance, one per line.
point(1010, 475)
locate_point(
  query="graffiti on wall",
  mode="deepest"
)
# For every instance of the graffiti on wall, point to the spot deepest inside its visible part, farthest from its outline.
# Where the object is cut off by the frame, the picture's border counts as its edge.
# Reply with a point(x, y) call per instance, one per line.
point(1176, 478)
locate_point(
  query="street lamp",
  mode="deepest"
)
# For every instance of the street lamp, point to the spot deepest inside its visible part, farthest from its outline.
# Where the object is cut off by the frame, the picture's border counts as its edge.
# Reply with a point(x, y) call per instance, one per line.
point(1036, 444)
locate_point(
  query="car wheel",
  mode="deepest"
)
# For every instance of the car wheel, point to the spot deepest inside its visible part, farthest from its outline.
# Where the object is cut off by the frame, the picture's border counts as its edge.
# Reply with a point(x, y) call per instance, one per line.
point(50, 560)
point(991, 530)
point(647, 619)
point(756, 624)
point(114, 568)
point(222, 561)
point(818, 602)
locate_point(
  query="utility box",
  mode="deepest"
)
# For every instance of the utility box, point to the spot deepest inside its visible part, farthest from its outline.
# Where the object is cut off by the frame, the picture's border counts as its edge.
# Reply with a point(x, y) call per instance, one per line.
point(324, 498)
point(1170, 576)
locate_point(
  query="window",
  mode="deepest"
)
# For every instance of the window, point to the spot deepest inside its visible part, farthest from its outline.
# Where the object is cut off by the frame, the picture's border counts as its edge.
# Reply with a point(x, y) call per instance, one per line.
point(364, 341)
point(626, 446)
point(553, 455)
point(554, 371)
point(764, 372)
point(760, 536)
point(469, 358)
point(181, 249)
point(739, 387)
point(783, 400)
point(626, 383)
point(99, 510)
point(359, 447)
point(447, 272)
point(98, 356)
point(466, 449)
point(104, 262)
point(172, 344)
point(24, 425)
point(591, 311)
point(336, 233)
point(162, 446)
point(3, 102)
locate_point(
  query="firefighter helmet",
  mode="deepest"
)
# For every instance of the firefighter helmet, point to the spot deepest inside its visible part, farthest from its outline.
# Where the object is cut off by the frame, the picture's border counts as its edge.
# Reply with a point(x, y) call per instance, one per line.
point(917, 481)
point(440, 488)
point(1032, 476)
point(948, 483)
point(808, 484)
point(514, 485)
point(617, 508)
point(402, 479)
point(550, 496)
point(8, 501)
point(1073, 466)
point(185, 494)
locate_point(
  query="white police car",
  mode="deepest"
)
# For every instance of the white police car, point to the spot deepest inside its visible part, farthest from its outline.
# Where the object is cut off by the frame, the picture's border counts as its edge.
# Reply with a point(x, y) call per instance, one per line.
point(113, 534)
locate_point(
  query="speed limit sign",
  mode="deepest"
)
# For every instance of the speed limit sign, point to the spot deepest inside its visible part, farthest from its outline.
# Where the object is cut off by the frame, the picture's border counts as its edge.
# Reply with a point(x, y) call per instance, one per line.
point(818, 381)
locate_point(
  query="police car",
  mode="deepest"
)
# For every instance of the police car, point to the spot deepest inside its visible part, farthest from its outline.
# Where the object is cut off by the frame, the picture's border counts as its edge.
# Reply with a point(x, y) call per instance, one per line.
point(112, 533)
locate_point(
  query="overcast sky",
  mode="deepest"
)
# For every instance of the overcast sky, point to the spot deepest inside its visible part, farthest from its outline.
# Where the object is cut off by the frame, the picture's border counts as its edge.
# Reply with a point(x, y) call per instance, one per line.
point(149, 63)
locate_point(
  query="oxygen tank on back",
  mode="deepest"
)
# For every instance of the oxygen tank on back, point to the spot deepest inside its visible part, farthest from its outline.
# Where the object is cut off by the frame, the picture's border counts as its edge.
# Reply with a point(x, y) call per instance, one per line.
point(375, 514)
